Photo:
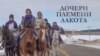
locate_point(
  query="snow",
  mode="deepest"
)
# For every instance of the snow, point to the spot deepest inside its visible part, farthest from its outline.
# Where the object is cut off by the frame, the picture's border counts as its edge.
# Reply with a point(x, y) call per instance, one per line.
point(86, 37)
point(82, 37)
point(2, 51)
point(66, 39)
point(75, 39)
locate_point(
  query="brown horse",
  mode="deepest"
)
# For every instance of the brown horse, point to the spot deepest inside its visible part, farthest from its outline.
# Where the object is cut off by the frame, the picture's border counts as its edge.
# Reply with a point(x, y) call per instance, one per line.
point(27, 43)
point(43, 41)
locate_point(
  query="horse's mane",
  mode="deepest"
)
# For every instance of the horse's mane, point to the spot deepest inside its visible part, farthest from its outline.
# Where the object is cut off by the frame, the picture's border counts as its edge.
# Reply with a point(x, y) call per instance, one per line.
point(27, 32)
point(5, 31)
point(43, 27)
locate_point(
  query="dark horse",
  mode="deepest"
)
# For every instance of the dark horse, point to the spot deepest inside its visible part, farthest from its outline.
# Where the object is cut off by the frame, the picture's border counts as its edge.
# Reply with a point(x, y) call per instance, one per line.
point(8, 41)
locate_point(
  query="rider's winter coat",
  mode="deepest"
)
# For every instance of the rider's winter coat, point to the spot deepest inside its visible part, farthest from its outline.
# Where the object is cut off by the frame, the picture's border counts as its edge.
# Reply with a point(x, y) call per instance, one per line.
point(27, 19)
point(55, 27)
point(11, 25)
point(39, 22)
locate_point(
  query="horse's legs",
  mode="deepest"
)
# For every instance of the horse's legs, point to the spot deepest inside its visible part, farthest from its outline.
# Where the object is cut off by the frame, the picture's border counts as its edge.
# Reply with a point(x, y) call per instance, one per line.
point(24, 53)
point(48, 51)
point(18, 52)
point(11, 52)
point(21, 52)
point(43, 53)
point(6, 51)
point(33, 54)
point(14, 52)
point(38, 53)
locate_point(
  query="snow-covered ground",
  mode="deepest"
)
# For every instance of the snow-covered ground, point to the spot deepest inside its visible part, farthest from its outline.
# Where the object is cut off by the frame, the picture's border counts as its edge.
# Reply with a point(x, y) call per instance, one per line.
point(67, 39)
point(2, 50)
point(85, 37)
point(75, 39)
point(80, 37)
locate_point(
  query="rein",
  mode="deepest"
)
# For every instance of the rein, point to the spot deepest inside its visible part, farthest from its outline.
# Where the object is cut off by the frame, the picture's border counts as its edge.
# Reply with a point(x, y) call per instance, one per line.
point(22, 35)
point(9, 38)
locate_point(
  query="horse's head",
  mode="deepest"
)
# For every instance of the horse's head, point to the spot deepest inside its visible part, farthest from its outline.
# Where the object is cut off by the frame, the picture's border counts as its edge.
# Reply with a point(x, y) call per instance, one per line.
point(6, 33)
point(29, 31)
point(43, 31)
point(28, 34)
point(56, 34)
point(28, 39)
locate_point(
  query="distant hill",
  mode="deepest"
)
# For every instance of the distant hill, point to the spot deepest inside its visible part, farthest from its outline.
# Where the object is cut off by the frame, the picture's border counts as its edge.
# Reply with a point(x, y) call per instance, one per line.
point(92, 30)
point(84, 32)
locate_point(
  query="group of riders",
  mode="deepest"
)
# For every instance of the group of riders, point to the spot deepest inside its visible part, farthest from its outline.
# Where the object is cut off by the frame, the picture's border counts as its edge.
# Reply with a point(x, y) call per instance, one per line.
point(36, 22)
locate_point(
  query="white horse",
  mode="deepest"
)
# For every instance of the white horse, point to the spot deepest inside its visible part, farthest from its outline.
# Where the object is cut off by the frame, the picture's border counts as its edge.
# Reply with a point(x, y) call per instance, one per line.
point(55, 42)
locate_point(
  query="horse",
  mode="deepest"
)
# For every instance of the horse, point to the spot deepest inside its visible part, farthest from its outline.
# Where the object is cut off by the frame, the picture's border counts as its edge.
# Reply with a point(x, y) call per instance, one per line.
point(55, 42)
point(43, 41)
point(8, 41)
point(27, 43)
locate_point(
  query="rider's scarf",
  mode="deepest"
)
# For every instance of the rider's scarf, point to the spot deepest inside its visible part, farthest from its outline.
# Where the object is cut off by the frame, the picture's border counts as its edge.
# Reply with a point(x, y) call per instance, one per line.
point(10, 22)
point(29, 17)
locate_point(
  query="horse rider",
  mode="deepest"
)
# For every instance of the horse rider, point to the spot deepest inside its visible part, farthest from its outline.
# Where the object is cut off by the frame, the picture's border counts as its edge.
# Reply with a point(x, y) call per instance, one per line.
point(32, 21)
point(39, 21)
point(57, 28)
point(12, 26)
point(48, 34)
point(27, 20)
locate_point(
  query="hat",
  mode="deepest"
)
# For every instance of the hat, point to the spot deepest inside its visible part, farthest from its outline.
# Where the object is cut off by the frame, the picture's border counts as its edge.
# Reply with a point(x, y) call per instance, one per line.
point(11, 16)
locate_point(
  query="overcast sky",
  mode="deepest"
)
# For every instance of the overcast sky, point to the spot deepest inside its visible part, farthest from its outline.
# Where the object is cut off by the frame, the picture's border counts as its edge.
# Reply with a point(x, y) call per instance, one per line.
point(49, 9)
